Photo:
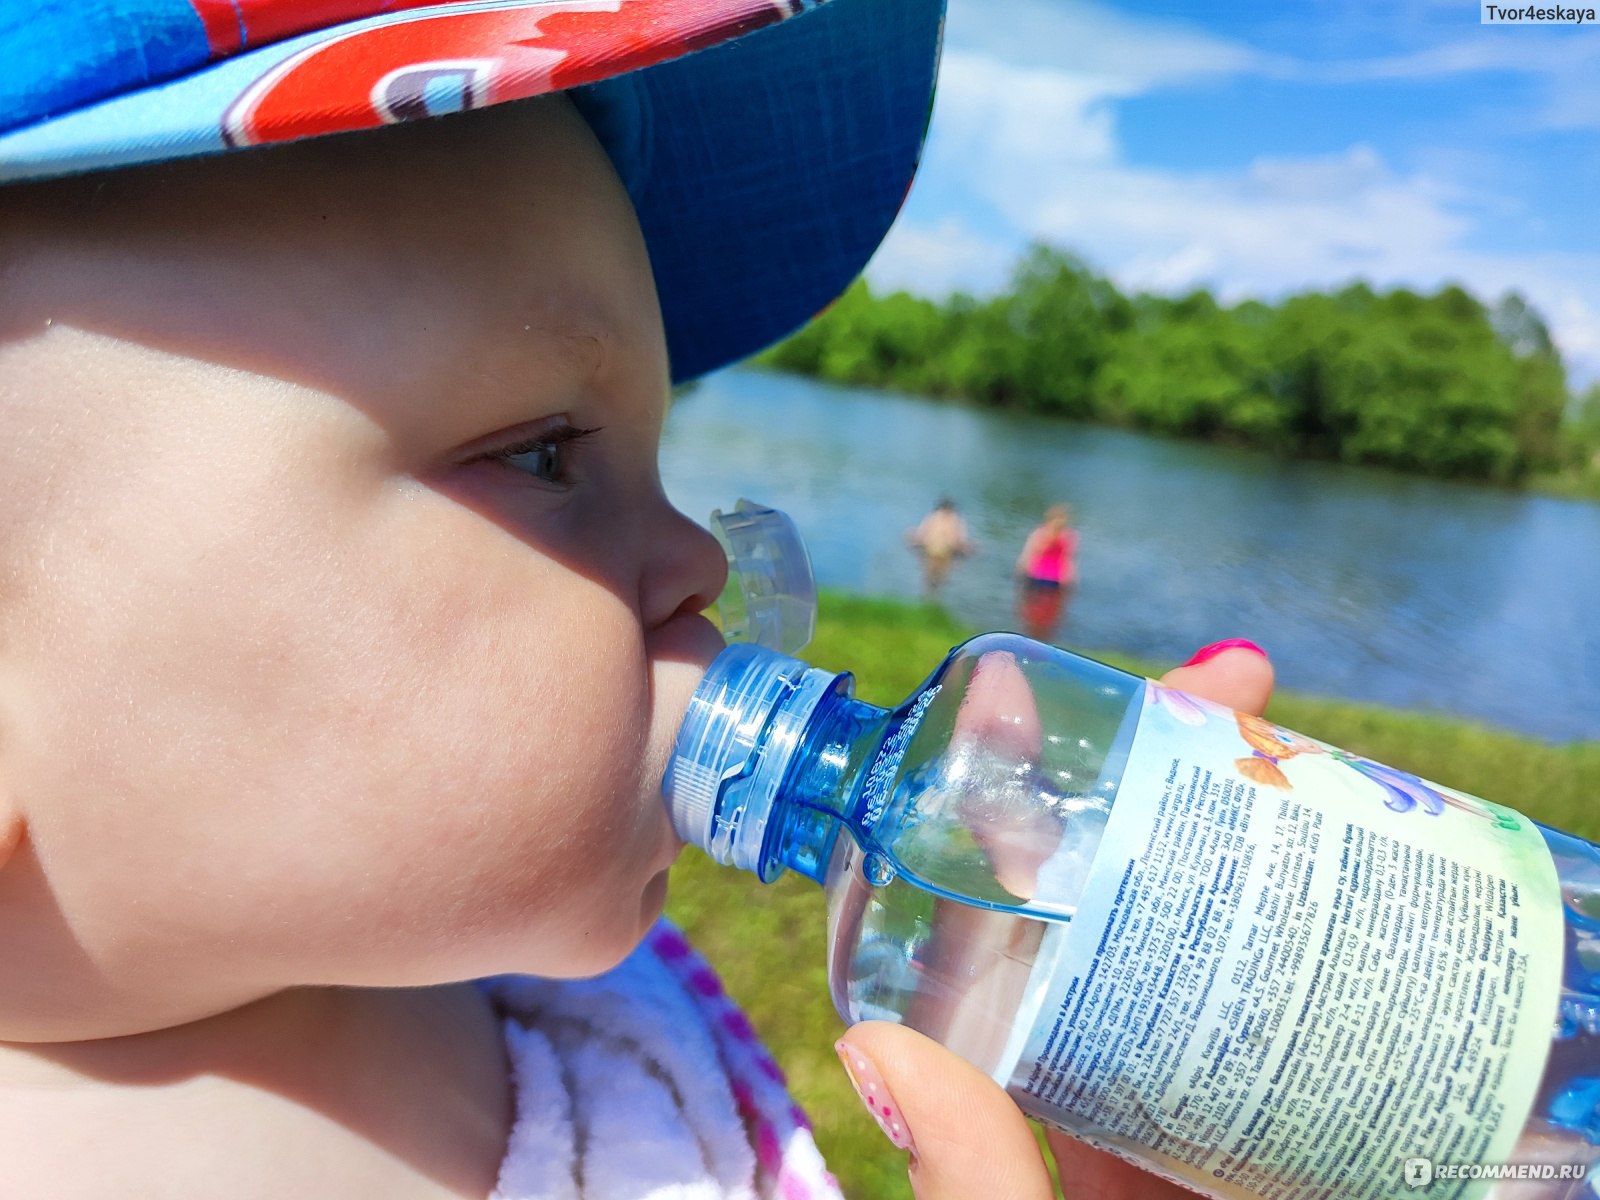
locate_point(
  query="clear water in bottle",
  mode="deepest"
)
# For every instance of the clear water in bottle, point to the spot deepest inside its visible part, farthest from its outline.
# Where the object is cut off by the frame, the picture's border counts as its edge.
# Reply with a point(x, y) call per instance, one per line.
point(965, 977)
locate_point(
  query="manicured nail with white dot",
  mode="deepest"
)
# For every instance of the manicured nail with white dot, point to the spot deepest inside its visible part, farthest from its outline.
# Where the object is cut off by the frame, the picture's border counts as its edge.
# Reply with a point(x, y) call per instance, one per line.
point(874, 1094)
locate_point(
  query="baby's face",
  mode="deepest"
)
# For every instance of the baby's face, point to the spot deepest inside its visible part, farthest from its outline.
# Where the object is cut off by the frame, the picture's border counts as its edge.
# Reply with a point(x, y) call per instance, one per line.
point(331, 650)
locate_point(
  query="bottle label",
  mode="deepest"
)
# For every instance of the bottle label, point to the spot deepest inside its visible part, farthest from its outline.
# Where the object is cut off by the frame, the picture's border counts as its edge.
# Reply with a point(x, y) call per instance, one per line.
point(1292, 969)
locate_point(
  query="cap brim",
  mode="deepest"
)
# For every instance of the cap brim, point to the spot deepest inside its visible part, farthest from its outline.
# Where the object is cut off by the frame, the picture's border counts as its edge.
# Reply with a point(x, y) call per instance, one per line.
point(767, 144)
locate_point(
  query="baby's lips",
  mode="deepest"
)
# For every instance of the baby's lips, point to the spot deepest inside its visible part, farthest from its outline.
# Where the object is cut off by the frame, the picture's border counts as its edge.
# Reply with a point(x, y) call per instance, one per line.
point(999, 709)
point(680, 653)
point(689, 640)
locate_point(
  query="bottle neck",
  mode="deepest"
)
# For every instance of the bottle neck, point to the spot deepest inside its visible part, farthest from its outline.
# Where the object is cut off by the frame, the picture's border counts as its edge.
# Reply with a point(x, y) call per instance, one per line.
point(819, 797)
point(766, 760)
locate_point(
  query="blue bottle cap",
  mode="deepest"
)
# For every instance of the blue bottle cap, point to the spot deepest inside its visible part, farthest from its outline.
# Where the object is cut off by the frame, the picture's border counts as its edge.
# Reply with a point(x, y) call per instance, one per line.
point(735, 747)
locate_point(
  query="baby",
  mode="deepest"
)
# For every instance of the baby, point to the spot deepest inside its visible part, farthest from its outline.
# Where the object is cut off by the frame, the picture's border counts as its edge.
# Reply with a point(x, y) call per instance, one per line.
point(345, 628)
point(346, 625)
point(347, 633)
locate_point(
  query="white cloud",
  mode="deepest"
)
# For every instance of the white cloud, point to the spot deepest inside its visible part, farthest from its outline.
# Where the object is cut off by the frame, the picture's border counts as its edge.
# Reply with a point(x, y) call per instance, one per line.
point(937, 259)
point(1024, 147)
point(1492, 51)
point(1575, 322)
point(1564, 66)
point(1277, 224)
point(1003, 114)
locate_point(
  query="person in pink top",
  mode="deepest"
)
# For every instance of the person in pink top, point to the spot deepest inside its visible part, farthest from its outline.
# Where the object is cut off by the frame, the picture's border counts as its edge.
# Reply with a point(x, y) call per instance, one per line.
point(1047, 570)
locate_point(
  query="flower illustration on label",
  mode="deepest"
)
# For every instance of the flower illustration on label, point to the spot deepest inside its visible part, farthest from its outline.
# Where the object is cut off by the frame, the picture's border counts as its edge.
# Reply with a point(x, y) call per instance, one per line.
point(1272, 745)
point(1180, 706)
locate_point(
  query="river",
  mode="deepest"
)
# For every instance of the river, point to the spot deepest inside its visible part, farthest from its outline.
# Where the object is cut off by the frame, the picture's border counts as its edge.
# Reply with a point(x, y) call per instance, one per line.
point(1451, 598)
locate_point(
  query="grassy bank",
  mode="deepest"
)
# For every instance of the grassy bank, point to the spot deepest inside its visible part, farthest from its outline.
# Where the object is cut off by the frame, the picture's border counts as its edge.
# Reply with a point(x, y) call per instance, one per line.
point(768, 942)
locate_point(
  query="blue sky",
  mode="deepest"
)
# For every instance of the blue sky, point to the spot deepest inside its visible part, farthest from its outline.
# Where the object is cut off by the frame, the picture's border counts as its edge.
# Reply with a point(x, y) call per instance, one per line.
point(1259, 149)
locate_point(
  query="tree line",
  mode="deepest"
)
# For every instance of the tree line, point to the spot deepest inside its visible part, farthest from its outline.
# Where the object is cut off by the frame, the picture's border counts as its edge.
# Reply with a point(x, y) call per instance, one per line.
point(1439, 384)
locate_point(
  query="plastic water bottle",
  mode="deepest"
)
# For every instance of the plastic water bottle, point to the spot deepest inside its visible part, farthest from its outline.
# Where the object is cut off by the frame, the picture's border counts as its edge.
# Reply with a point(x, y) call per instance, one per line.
point(1249, 961)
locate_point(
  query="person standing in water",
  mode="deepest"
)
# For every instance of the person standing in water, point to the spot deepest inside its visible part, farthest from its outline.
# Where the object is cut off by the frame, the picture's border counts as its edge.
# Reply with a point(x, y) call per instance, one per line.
point(1047, 572)
point(939, 539)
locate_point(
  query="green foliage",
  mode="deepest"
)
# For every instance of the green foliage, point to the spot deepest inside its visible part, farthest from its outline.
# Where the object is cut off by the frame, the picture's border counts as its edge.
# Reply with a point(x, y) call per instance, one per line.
point(1577, 450)
point(1423, 384)
point(1580, 435)
point(1065, 320)
point(1193, 369)
point(977, 359)
point(1434, 384)
point(863, 339)
point(1586, 422)
point(769, 943)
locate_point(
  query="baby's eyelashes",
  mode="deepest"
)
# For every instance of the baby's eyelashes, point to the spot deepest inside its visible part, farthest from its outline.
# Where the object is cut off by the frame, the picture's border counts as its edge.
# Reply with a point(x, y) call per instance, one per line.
point(546, 454)
point(548, 457)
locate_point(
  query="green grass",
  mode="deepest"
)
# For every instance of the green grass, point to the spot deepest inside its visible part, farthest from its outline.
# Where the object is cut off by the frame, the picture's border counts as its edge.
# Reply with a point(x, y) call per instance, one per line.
point(768, 942)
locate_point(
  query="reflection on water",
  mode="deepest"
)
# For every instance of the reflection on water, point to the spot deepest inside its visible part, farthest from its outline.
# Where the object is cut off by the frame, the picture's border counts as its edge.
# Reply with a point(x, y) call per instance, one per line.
point(1362, 584)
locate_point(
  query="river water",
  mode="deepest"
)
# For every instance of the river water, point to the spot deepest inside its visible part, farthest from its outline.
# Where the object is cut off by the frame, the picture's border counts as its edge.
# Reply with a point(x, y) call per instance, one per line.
point(1413, 593)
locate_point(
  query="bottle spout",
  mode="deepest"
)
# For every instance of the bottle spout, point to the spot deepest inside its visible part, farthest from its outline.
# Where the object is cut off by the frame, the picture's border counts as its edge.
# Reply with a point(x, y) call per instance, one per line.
point(771, 595)
point(744, 722)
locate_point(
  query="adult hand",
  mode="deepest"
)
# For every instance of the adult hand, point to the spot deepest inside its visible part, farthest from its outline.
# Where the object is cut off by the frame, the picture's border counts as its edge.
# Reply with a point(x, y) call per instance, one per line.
point(966, 1138)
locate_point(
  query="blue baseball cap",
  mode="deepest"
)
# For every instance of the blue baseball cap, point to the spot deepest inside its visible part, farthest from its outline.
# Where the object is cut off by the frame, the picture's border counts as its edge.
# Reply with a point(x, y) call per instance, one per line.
point(767, 145)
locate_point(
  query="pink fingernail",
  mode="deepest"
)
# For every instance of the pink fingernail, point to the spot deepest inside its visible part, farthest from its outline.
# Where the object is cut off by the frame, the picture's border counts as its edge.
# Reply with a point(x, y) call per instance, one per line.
point(1207, 653)
point(874, 1094)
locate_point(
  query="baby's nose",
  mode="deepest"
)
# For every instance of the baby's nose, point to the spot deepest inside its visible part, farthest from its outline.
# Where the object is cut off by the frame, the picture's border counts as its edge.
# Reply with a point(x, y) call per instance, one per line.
point(685, 571)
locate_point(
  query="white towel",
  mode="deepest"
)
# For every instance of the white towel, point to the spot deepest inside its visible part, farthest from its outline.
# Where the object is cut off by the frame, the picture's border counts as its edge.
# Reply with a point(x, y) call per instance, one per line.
point(647, 1083)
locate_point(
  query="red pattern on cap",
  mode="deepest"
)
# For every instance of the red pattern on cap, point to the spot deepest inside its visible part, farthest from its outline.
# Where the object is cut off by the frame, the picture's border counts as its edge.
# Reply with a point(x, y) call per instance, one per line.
point(350, 80)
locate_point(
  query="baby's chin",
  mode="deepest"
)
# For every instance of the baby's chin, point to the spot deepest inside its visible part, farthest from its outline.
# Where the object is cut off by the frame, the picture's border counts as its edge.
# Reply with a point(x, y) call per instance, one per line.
point(598, 957)
point(652, 902)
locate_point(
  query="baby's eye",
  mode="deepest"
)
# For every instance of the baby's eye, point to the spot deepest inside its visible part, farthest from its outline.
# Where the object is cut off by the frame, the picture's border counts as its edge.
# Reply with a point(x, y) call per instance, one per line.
point(546, 456)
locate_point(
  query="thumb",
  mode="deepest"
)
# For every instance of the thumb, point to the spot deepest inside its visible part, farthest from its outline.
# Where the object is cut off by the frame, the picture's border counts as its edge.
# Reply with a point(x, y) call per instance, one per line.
point(965, 1136)
point(1234, 672)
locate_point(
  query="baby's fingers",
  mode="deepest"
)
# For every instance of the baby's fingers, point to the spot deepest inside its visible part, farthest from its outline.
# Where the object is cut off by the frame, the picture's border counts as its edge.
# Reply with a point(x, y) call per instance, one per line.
point(966, 1138)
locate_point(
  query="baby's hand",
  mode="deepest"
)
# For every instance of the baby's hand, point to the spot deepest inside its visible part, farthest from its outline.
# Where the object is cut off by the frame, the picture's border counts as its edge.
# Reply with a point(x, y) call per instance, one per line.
point(966, 1138)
